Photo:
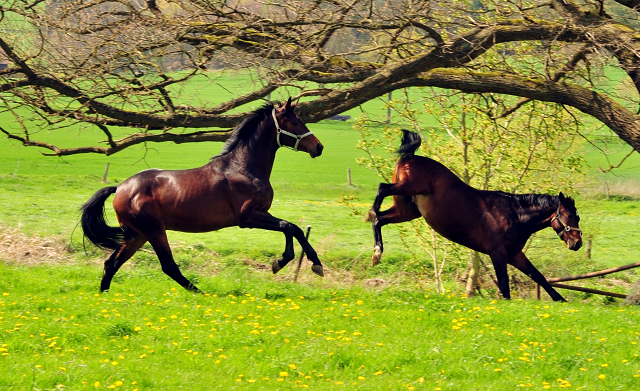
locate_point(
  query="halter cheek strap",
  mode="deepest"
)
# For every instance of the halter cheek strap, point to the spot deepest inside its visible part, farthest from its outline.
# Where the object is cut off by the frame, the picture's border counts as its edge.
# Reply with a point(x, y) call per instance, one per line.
point(279, 131)
point(565, 227)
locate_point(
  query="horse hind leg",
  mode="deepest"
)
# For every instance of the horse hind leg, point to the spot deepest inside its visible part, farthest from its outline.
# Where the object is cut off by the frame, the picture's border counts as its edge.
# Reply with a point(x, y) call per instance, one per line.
point(160, 245)
point(121, 255)
point(402, 210)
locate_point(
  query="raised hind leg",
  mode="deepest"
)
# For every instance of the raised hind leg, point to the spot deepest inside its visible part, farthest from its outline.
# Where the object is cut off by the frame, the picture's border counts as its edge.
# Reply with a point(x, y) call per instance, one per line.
point(264, 220)
point(402, 210)
point(118, 258)
point(160, 244)
point(522, 263)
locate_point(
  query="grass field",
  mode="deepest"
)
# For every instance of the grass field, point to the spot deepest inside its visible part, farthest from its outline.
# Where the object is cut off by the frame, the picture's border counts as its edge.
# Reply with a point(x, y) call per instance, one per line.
point(358, 328)
point(251, 332)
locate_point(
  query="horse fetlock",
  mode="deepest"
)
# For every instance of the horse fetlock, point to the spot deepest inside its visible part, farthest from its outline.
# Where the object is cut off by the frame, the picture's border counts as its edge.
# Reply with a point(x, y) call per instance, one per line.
point(193, 288)
point(369, 216)
point(318, 269)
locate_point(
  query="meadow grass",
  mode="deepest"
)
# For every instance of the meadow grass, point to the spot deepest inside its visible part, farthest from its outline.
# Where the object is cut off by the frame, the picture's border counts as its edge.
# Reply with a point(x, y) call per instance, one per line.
point(249, 332)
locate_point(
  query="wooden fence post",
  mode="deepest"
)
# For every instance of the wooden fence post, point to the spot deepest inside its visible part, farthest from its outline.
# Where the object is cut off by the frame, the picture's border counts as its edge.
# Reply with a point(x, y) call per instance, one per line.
point(106, 171)
point(295, 278)
point(349, 176)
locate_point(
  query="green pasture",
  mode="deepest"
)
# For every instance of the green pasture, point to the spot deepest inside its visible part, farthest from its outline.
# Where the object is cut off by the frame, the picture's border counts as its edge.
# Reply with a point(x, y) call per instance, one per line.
point(358, 328)
point(251, 332)
point(41, 195)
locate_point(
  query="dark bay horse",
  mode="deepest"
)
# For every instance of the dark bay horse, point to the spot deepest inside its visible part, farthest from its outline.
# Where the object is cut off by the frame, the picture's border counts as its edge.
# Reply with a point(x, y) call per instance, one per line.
point(491, 222)
point(233, 189)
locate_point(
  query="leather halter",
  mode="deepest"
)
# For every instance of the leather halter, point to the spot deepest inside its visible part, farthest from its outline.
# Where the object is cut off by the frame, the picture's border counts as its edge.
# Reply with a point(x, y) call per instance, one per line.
point(565, 227)
point(279, 131)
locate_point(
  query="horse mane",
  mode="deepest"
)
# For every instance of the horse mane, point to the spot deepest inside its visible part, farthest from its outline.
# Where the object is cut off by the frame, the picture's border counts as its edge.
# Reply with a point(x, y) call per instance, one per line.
point(246, 128)
point(410, 142)
point(536, 200)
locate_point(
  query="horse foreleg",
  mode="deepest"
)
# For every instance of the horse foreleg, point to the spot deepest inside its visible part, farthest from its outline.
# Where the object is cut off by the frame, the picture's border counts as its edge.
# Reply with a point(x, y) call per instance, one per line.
point(263, 220)
point(398, 213)
point(118, 258)
point(499, 259)
point(522, 263)
point(160, 244)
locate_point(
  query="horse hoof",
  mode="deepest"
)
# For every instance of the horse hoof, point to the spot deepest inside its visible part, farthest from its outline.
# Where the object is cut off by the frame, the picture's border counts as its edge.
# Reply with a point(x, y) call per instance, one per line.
point(318, 269)
point(275, 266)
point(377, 255)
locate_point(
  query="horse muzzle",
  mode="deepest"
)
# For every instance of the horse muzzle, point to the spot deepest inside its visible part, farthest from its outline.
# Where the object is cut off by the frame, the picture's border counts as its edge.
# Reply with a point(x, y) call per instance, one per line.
point(574, 245)
point(317, 151)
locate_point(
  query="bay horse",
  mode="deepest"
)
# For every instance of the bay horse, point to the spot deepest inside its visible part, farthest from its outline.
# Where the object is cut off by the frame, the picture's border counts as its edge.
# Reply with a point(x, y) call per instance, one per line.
point(233, 189)
point(491, 222)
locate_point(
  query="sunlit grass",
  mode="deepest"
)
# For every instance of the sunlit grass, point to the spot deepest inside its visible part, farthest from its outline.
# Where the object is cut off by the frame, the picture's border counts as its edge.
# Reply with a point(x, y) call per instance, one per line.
point(247, 331)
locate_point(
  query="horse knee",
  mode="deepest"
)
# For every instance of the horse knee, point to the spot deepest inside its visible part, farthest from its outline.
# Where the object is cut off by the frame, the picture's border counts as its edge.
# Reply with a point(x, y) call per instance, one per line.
point(287, 228)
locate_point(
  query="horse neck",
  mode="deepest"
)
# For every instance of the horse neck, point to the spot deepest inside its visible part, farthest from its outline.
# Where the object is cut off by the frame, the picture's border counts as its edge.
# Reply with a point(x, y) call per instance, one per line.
point(257, 153)
point(538, 217)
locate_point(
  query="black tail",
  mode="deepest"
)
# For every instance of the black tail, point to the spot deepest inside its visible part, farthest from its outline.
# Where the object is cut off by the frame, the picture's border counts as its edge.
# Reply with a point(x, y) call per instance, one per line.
point(410, 142)
point(94, 225)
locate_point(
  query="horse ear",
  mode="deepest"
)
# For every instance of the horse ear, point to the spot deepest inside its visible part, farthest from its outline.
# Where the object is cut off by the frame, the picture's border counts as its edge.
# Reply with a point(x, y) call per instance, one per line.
point(287, 106)
point(561, 197)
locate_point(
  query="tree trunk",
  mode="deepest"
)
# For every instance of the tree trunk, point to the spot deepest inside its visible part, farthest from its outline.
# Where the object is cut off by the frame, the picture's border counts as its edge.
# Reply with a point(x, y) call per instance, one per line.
point(474, 273)
point(634, 295)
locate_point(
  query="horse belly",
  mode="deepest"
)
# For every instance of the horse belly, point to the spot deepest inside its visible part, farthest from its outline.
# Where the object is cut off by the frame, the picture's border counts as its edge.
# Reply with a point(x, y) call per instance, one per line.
point(441, 217)
point(206, 217)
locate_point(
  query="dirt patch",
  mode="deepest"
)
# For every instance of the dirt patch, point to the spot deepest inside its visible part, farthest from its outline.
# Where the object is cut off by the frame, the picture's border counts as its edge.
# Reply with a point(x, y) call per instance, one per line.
point(17, 247)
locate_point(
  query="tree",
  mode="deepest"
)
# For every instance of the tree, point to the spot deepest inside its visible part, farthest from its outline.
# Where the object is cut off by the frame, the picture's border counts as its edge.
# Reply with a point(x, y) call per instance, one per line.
point(118, 66)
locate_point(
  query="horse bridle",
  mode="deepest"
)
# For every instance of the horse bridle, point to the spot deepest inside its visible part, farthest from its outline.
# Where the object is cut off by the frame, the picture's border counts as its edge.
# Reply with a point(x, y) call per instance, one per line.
point(565, 227)
point(279, 131)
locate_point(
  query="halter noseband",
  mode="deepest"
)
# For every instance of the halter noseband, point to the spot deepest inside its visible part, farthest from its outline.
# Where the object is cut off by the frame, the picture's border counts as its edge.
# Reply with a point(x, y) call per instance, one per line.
point(279, 131)
point(565, 227)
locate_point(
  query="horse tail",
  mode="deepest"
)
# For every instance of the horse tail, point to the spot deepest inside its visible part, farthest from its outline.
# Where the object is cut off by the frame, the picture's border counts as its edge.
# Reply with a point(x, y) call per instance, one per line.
point(94, 224)
point(410, 142)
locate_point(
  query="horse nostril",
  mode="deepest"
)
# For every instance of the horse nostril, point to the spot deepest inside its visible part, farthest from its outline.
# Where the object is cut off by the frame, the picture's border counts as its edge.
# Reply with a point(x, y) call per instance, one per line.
point(319, 149)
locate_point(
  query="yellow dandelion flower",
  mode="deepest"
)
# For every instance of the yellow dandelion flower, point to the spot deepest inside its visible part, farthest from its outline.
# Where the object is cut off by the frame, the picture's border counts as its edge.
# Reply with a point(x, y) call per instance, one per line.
point(498, 370)
point(292, 366)
point(114, 363)
point(602, 376)
point(283, 374)
point(96, 384)
point(118, 383)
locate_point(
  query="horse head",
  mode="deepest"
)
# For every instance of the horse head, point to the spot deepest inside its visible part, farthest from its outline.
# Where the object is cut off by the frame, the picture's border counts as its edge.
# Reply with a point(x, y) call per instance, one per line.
point(293, 133)
point(565, 223)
